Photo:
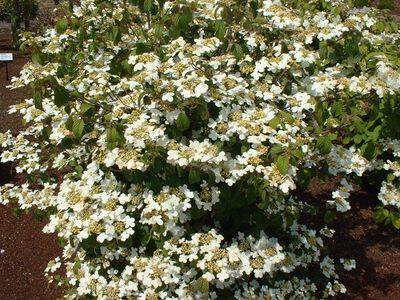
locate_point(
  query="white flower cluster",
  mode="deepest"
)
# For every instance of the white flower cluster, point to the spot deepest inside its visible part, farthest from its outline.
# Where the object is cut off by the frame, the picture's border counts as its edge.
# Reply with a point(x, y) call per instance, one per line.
point(340, 195)
point(389, 193)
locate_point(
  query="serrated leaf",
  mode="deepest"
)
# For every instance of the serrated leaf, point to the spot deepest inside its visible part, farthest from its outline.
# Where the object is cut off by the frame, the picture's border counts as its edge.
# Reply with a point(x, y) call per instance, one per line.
point(238, 51)
point(86, 107)
point(274, 122)
point(194, 176)
point(396, 222)
point(346, 140)
point(77, 128)
point(201, 285)
point(37, 99)
point(148, 4)
point(61, 96)
point(320, 114)
point(324, 144)
point(115, 34)
point(183, 122)
point(76, 267)
point(69, 123)
point(203, 111)
point(113, 137)
point(369, 150)
point(220, 29)
point(185, 18)
point(282, 163)
point(381, 214)
point(39, 215)
point(337, 109)
point(61, 26)
point(358, 138)
point(275, 150)
point(37, 58)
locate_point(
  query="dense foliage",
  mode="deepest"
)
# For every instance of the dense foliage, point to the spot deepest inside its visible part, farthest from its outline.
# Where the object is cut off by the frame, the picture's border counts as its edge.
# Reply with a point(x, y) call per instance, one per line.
point(17, 12)
point(21, 9)
point(170, 143)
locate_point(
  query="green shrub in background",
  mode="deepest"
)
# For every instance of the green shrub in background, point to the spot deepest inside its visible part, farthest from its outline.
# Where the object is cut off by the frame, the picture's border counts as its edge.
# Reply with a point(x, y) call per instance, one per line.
point(17, 12)
point(171, 143)
point(386, 4)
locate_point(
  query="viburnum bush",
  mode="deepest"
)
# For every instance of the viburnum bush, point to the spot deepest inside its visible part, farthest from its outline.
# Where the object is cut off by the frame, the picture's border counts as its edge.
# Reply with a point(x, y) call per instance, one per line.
point(171, 142)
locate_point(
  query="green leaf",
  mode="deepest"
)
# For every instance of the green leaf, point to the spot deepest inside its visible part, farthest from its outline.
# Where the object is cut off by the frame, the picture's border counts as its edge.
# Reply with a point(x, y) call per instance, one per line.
point(185, 18)
point(39, 215)
point(324, 144)
point(16, 211)
point(148, 4)
point(350, 46)
point(194, 176)
point(287, 116)
point(147, 234)
point(238, 51)
point(203, 111)
point(61, 241)
point(69, 123)
point(37, 99)
point(113, 137)
point(358, 138)
point(159, 31)
point(76, 267)
point(220, 29)
point(183, 122)
point(337, 109)
point(77, 128)
point(396, 221)
point(320, 113)
point(274, 122)
point(275, 150)
point(61, 96)
point(201, 285)
point(115, 34)
point(386, 4)
point(61, 25)
point(346, 140)
point(282, 163)
point(329, 216)
point(86, 108)
point(369, 150)
point(37, 58)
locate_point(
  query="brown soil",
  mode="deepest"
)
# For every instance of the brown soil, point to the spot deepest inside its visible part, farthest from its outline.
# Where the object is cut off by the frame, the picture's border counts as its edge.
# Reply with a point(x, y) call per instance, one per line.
point(26, 254)
point(375, 248)
point(24, 249)
point(9, 97)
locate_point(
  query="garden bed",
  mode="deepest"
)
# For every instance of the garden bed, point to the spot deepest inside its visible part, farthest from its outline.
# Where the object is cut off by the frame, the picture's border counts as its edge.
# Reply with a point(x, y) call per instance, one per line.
point(25, 250)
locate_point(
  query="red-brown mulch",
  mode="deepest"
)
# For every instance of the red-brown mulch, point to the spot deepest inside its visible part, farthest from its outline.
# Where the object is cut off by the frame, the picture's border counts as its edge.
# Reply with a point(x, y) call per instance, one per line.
point(25, 254)
point(24, 249)
point(375, 248)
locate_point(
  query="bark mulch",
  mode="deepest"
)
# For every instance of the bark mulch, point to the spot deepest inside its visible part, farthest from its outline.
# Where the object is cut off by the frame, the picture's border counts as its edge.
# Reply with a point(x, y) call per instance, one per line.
point(375, 248)
point(24, 249)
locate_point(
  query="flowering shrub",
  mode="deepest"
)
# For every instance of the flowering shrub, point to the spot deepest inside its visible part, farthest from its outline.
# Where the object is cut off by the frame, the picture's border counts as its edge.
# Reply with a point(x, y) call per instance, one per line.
point(185, 132)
